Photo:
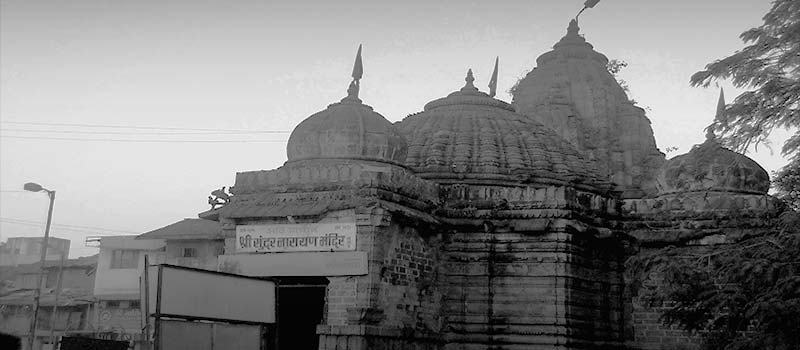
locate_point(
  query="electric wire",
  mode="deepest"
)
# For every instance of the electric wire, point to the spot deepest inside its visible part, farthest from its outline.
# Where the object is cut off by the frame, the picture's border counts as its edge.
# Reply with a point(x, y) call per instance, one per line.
point(64, 227)
point(144, 132)
point(135, 141)
point(87, 125)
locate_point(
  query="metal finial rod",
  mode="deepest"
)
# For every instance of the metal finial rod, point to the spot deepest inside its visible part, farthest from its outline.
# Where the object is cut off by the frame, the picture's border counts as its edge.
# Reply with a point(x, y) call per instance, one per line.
point(493, 80)
point(358, 72)
point(586, 5)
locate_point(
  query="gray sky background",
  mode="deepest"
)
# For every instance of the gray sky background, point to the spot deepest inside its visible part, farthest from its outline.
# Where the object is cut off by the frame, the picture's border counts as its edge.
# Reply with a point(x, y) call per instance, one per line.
point(267, 65)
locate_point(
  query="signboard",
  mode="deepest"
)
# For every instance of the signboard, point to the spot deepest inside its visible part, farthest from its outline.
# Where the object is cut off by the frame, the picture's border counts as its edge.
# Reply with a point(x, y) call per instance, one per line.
point(201, 294)
point(319, 237)
point(296, 264)
point(183, 335)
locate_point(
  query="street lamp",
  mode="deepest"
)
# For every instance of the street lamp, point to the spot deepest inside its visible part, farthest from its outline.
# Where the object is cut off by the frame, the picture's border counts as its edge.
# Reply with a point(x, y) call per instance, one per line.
point(34, 187)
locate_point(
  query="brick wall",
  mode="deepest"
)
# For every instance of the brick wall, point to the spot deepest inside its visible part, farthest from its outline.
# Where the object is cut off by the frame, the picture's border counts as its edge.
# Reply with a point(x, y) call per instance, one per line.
point(408, 281)
point(397, 304)
point(650, 333)
point(646, 328)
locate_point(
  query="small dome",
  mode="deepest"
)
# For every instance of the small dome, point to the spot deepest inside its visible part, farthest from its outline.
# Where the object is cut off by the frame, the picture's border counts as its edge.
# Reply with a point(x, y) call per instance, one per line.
point(469, 135)
point(711, 167)
point(347, 130)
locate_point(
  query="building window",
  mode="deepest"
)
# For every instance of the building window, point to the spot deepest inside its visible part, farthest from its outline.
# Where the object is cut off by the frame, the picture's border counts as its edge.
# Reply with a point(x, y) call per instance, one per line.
point(125, 259)
point(189, 252)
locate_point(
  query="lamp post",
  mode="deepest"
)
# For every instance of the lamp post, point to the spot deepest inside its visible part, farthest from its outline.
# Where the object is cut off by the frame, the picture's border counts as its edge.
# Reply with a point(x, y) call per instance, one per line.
point(55, 302)
point(34, 187)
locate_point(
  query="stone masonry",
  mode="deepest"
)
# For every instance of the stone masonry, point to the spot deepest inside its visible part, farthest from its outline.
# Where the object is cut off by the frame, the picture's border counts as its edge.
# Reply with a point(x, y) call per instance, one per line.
point(489, 225)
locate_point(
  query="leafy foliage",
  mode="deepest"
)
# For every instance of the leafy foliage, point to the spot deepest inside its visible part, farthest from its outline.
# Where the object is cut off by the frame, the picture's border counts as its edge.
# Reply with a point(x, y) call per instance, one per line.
point(770, 67)
point(615, 66)
point(787, 184)
point(744, 295)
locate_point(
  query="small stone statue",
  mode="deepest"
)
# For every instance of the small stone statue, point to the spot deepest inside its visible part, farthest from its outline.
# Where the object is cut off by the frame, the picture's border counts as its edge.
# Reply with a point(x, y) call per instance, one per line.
point(218, 197)
point(214, 202)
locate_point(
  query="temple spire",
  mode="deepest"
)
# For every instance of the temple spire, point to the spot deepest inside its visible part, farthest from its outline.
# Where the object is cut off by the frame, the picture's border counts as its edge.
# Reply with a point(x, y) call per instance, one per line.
point(355, 85)
point(573, 29)
point(493, 81)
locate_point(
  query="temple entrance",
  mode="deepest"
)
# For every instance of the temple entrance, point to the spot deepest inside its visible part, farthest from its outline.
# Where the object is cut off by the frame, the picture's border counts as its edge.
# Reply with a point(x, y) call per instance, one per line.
point(301, 301)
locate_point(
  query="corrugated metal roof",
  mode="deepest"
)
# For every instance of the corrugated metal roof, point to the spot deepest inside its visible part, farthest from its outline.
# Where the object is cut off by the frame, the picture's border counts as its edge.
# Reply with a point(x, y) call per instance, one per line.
point(186, 229)
point(84, 261)
point(67, 297)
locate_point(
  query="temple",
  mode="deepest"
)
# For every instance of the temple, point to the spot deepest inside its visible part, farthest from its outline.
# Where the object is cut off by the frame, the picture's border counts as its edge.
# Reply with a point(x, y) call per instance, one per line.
point(482, 224)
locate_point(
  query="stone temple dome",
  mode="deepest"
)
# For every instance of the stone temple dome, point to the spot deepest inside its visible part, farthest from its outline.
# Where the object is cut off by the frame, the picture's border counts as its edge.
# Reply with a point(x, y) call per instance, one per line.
point(347, 130)
point(711, 167)
point(470, 136)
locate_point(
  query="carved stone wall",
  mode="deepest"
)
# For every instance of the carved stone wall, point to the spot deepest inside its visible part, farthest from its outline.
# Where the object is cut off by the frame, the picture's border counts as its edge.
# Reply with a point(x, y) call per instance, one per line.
point(531, 290)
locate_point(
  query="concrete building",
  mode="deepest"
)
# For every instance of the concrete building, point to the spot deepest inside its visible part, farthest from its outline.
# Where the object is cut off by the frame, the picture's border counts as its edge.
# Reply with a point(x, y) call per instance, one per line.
point(74, 300)
point(479, 224)
point(190, 242)
point(28, 250)
point(116, 288)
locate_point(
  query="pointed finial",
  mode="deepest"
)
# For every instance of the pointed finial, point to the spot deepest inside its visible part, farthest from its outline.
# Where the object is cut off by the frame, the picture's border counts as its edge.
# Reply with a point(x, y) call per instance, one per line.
point(493, 81)
point(469, 86)
point(358, 68)
point(718, 117)
point(355, 85)
point(720, 106)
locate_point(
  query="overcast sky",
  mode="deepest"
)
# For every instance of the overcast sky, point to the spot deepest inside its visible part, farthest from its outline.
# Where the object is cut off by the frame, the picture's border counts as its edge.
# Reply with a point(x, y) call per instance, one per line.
point(267, 65)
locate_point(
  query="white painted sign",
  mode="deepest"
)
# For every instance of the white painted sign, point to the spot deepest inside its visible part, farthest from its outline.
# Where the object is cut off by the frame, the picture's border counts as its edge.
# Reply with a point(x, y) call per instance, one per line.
point(296, 264)
point(321, 237)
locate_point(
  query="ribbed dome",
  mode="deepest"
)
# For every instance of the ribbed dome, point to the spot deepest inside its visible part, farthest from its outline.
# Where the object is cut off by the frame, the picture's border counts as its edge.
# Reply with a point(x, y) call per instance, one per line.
point(347, 130)
point(711, 167)
point(469, 135)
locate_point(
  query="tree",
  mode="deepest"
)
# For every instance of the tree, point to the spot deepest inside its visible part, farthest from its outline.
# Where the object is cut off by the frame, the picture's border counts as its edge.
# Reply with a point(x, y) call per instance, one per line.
point(744, 295)
point(615, 66)
point(787, 184)
point(770, 67)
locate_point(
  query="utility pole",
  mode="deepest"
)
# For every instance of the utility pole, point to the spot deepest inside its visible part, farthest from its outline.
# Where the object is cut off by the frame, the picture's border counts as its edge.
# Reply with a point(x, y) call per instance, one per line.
point(145, 303)
point(55, 302)
point(34, 187)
